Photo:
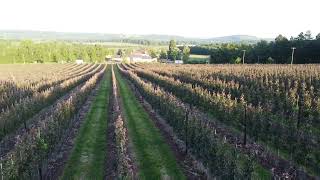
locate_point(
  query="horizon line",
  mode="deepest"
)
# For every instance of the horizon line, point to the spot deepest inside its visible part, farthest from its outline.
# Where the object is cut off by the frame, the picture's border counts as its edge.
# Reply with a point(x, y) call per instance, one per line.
point(142, 34)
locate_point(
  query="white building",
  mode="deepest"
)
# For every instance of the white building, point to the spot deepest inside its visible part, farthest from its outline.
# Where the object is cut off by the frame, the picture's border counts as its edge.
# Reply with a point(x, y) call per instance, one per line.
point(141, 57)
point(178, 62)
point(79, 61)
point(117, 58)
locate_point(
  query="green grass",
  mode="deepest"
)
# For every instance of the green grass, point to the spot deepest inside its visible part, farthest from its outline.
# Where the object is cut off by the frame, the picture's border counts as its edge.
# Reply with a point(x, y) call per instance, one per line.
point(8, 59)
point(155, 159)
point(260, 172)
point(88, 157)
point(198, 59)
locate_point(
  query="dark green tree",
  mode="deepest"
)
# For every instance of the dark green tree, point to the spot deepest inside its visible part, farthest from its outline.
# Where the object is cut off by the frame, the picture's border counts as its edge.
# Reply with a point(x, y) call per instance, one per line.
point(185, 54)
point(120, 52)
point(173, 53)
point(163, 54)
point(308, 35)
point(301, 37)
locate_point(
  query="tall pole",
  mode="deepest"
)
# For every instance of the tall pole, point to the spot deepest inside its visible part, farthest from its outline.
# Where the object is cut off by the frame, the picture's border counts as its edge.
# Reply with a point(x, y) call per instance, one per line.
point(244, 53)
point(293, 48)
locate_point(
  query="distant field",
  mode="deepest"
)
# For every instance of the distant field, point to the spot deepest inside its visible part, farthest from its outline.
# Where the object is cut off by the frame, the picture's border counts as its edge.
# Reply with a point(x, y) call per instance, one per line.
point(5, 60)
point(198, 59)
point(127, 45)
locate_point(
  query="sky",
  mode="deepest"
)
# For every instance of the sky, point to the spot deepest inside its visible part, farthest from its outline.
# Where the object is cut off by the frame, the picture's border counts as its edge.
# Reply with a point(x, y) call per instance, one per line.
point(190, 18)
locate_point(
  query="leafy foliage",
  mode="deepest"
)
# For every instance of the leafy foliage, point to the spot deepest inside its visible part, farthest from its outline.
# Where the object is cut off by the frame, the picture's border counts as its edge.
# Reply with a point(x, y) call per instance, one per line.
point(307, 50)
point(32, 149)
point(281, 102)
point(28, 51)
point(223, 160)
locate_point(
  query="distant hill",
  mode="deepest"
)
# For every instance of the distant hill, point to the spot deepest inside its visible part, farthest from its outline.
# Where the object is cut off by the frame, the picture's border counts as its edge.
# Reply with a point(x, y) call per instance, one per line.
point(237, 38)
point(107, 37)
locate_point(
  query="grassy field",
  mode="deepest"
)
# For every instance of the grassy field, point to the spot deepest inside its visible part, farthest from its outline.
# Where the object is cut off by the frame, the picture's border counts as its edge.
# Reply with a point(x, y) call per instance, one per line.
point(155, 159)
point(198, 59)
point(88, 158)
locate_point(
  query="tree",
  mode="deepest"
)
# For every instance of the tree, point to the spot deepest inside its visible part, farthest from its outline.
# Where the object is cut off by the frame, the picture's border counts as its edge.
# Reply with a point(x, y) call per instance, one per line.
point(172, 45)
point(270, 60)
point(185, 54)
point(27, 50)
point(56, 56)
point(85, 55)
point(301, 37)
point(173, 55)
point(318, 37)
point(163, 54)
point(92, 54)
point(281, 49)
point(173, 52)
point(120, 52)
point(238, 60)
point(262, 50)
point(308, 35)
point(280, 38)
point(153, 53)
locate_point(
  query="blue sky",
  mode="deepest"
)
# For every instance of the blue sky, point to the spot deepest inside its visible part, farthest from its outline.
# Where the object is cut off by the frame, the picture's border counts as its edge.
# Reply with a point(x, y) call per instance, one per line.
point(197, 18)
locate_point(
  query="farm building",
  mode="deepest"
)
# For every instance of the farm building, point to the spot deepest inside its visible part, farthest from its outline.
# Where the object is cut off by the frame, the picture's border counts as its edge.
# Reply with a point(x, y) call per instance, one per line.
point(141, 57)
point(108, 58)
point(168, 61)
point(79, 61)
point(117, 58)
point(178, 62)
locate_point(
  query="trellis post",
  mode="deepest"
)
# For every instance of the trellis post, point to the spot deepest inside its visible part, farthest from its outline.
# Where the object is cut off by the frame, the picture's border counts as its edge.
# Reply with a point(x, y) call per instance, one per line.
point(186, 130)
point(1, 169)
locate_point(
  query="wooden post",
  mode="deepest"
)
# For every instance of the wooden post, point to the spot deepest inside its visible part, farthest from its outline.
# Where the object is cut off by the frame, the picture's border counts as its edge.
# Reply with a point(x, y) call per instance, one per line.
point(244, 54)
point(186, 130)
point(1, 169)
point(40, 172)
point(11, 159)
point(292, 54)
point(25, 123)
point(299, 114)
point(245, 126)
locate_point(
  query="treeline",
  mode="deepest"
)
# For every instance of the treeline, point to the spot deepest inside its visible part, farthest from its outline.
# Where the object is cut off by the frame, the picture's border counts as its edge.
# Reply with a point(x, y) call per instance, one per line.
point(141, 42)
point(278, 51)
point(28, 51)
point(155, 42)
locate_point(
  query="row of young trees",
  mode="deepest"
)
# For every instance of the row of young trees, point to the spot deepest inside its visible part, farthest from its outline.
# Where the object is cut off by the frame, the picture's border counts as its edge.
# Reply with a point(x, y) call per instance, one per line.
point(24, 107)
point(281, 131)
point(13, 91)
point(28, 51)
point(277, 51)
point(222, 160)
point(278, 89)
point(29, 157)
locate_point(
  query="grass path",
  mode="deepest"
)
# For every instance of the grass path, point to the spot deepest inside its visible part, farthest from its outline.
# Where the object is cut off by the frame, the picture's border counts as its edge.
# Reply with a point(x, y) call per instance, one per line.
point(87, 160)
point(154, 157)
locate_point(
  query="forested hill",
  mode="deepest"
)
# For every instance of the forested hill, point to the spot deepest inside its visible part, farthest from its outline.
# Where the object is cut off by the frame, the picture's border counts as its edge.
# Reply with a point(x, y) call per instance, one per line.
point(128, 38)
point(306, 50)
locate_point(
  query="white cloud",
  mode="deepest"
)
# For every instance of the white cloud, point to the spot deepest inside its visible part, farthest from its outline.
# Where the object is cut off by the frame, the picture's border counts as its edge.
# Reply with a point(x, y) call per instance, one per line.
point(200, 18)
